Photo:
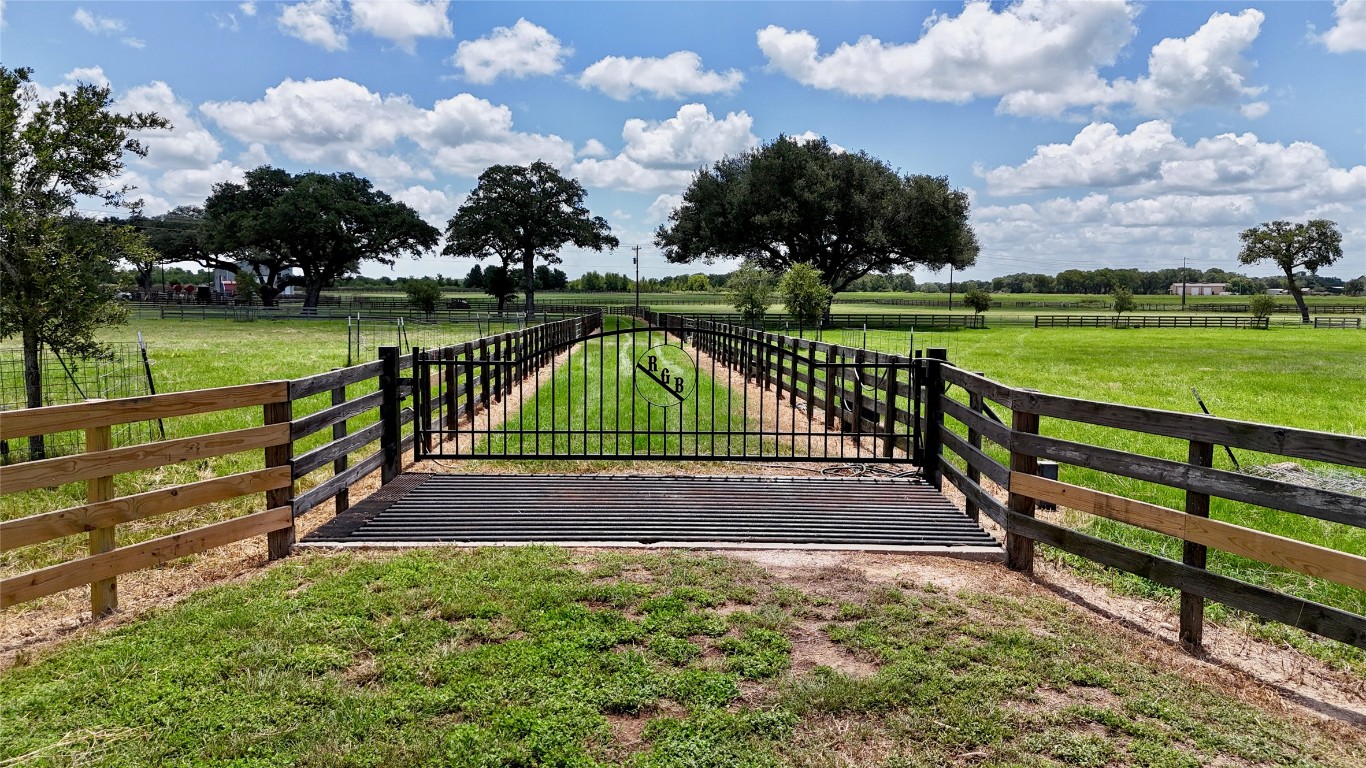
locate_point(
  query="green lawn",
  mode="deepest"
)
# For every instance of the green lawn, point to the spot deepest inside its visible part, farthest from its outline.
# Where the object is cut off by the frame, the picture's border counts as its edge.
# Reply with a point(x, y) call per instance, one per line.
point(538, 657)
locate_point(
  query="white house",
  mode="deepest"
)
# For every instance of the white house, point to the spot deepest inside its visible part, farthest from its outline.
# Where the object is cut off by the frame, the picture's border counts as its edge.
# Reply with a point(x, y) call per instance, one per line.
point(1198, 289)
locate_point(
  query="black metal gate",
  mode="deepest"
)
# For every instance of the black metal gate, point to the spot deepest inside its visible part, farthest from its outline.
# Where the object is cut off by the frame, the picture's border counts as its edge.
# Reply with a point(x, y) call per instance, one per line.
point(631, 390)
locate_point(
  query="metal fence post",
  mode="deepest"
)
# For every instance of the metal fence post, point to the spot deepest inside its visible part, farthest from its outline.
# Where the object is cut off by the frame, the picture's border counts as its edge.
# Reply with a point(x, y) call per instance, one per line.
point(390, 440)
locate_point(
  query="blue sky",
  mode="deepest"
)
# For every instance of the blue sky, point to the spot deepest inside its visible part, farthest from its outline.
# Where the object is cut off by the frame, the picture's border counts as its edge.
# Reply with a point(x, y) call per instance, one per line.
point(1090, 134)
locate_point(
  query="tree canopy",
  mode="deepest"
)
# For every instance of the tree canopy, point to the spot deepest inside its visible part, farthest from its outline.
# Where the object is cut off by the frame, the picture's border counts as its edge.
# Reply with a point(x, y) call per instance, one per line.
point(525, 213)
point(750, 290)
point(324, 225)
point(1309, 246)
point(846, 214)
point(805, 295)
point(172, 237)
point(54, 265)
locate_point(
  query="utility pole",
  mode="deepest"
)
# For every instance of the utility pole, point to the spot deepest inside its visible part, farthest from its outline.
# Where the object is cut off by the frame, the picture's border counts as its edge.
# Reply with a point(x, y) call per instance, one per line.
point(636, 261)
point(1183, 283)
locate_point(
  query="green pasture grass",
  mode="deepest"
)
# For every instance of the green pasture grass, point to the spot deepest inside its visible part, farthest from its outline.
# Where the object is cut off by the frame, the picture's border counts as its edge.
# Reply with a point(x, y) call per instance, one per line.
point(1296, 377)
point(591, 406)
point(538, 657)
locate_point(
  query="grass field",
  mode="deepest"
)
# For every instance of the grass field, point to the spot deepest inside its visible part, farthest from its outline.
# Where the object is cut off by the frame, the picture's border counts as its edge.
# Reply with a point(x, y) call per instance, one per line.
point(537, 657)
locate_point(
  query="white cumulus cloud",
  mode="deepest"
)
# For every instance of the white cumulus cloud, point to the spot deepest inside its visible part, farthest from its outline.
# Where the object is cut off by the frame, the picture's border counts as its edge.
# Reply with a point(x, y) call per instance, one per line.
point(314, 119)
point(522, 50)
point(1349, 31)
point(663, 156)
point(402, 21)
point(1039, 58)
point(316, 22)
point(677, 75)
point(344, 124)
point(1030, 47)
point(187, 144)
point(1205, 69)
point(1152, 160)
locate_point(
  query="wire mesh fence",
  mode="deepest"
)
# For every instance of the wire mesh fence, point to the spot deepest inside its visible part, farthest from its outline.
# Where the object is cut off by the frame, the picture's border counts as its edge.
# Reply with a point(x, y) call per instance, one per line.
point(124, 372)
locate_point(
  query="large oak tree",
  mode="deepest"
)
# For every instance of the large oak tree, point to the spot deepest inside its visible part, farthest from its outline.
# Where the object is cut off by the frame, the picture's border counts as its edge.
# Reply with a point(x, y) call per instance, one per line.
point(54, 265)
point(803, 202)
point(525, 213)
point(1309, 246)
point(324, 225)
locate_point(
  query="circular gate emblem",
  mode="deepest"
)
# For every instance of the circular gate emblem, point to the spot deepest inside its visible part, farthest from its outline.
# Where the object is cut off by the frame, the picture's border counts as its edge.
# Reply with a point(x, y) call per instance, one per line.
point(665, 375)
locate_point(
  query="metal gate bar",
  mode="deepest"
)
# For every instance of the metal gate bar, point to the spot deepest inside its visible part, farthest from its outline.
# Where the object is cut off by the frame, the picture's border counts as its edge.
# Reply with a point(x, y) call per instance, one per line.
point(653, 393)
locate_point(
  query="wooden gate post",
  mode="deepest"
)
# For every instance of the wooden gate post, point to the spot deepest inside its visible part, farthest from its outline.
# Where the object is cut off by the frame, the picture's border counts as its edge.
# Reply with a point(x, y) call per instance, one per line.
point(935, 358)
point(104, 594)
point(279, 543)
point(1192, 629)
point(390, 441)
point(975, 404)
point(342, 501)
point(1020, 550)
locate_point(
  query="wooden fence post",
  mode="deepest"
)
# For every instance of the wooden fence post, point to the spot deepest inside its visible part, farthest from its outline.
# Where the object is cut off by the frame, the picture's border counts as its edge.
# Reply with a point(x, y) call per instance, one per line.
point(342, 501)
point(935, 358)
point(390, 440)
point(1020, 550)
point(1192, 629)
point(975, 404)
point(278, 543)
point(104, 594)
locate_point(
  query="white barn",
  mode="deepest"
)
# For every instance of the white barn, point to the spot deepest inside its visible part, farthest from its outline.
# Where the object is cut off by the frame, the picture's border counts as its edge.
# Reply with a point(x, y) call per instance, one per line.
point(1198, 289)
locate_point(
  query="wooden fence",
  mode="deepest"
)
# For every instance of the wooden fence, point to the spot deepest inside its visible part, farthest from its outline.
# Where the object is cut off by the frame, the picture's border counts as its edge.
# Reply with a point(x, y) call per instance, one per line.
point(292, 413)
point(1174, 321)
point(1337, 322)
point(926, 322)
point(941, 394)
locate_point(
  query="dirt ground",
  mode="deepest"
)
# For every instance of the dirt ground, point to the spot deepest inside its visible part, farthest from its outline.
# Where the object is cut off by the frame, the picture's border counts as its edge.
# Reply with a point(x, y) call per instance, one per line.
point(1276, 678)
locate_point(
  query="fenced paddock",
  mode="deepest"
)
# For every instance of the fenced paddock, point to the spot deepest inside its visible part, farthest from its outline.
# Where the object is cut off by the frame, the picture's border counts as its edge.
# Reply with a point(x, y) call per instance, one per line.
point(941, 416)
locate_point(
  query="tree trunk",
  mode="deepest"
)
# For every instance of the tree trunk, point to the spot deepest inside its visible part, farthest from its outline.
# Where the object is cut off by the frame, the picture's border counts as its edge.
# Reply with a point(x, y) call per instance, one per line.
point(33, 387)
point(529, 278)
point(312, 294)
point(269, 294)
point(1299, 297)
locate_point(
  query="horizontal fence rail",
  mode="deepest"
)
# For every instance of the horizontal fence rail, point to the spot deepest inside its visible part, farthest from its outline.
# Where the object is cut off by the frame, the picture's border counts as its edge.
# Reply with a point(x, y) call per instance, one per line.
point(104, 511)
point(1015, 453)
point(1165, 321)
